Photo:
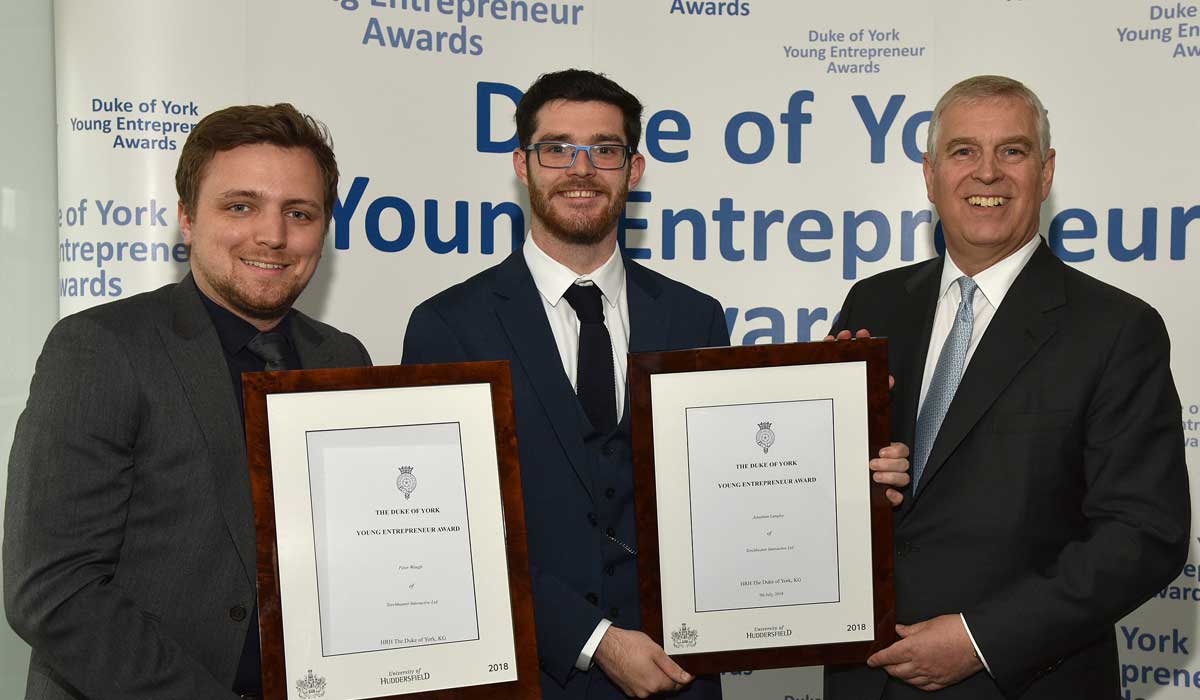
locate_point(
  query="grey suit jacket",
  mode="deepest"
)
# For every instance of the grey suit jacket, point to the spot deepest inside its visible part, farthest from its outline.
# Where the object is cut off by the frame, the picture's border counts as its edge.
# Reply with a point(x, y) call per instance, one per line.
point(129, 557)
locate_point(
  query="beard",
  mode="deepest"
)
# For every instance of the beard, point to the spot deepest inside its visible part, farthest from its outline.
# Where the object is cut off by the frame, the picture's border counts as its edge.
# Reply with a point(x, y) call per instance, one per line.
point(578, 229)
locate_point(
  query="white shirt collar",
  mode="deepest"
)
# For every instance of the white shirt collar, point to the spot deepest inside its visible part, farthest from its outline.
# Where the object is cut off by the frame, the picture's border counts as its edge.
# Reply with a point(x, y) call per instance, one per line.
point(995, 281)
point(552, 278)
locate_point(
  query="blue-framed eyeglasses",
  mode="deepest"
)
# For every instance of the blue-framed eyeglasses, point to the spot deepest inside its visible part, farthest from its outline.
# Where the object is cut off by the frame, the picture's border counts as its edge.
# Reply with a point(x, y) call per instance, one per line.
point(604, 156)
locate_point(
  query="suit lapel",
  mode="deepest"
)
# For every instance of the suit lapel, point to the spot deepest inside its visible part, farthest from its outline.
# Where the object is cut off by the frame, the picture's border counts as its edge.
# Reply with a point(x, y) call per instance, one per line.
point(310, 344)
point(519, 308)
point(649, 322)
point(192, 344)
point(1019, 329)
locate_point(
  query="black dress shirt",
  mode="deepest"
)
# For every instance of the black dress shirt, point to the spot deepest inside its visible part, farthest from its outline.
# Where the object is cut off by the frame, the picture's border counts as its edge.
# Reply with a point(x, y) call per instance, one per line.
point(235, 333)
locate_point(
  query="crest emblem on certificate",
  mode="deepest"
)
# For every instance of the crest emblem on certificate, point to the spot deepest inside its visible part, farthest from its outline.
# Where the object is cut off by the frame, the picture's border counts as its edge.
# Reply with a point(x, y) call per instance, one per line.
point(310, 686)
point(406, 482)
point(684, 637)
point(765, 437)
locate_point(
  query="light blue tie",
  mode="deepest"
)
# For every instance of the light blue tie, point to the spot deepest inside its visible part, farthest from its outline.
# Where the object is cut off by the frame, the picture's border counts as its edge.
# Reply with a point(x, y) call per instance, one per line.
point(945, 379)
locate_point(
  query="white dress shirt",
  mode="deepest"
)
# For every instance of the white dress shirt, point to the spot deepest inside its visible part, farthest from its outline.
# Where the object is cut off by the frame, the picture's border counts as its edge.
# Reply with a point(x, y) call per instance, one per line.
point(552, 280)
point(994, 283)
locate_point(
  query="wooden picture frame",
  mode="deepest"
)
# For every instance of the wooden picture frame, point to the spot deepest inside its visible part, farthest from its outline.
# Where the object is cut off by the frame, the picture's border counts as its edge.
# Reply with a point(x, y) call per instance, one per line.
point(767, 372)
point(278, 404)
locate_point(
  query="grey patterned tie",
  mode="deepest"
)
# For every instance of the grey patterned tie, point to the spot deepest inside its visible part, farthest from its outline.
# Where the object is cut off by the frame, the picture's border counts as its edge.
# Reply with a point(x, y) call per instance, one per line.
point(945, 379)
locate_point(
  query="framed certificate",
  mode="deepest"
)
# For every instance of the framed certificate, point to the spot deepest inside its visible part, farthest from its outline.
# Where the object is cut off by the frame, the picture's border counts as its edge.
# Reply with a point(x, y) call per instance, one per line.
point(763, 542)
point(392, 560)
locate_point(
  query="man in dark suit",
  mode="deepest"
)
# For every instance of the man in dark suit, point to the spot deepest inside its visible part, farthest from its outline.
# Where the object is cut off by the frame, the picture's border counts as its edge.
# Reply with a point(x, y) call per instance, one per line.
point(129, 549)
point(564, 310)
point(1050, 493)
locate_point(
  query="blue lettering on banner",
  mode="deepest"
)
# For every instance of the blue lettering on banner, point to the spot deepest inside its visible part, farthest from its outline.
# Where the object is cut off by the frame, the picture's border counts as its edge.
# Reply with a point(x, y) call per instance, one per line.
point(1166, 28)
point(463, 41)
point(860, 238)
point(75, 247)
point(732, 8)
point(135, 125)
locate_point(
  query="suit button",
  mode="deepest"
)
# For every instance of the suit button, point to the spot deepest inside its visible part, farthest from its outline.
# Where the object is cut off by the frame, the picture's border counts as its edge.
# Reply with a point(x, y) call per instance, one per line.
point(610, 570)
point(609, 450)
point(611, 532)
point(614, 612)
point(610, 492)
point(237, 613)
point(592, 598)
point(592, 519)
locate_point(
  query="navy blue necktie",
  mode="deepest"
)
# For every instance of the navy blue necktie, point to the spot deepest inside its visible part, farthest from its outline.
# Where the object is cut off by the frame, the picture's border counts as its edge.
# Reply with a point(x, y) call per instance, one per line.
point(594, 380)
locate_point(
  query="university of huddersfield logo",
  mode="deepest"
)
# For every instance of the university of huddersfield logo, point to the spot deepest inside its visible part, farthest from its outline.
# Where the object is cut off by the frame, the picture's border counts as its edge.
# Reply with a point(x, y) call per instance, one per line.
point(310, 686)
point(765, 437)
point(684, 637)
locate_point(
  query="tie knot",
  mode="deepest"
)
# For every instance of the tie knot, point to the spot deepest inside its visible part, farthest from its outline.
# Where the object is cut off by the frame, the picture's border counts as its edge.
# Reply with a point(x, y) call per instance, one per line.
point(967, 286)
point(271, 348)
point(585, 299)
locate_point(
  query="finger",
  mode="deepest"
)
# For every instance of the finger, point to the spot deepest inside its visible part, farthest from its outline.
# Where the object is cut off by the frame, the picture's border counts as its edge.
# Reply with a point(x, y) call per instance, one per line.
point(862, 333)
point(888, 464)
point(671, 669)
point(896, 450)
point(828, 338)
point(894, 497)
point(905, 630)
point(843, 335)
point(896, 479)
point(891, 382)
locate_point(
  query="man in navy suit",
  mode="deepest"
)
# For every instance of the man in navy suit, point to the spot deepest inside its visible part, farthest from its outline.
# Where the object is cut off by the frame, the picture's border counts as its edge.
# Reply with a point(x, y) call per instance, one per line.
point(579, 134)
point(1050, 492)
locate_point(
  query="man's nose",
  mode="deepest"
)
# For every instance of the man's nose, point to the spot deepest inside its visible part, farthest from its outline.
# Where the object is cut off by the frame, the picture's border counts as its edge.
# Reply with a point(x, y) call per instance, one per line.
point(271, 231)
point(582, 165)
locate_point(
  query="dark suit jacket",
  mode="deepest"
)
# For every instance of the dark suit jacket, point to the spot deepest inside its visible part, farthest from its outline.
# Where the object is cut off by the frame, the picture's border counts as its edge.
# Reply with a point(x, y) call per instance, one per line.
point(129, 555)
point(576, 489)
point(1055, 498)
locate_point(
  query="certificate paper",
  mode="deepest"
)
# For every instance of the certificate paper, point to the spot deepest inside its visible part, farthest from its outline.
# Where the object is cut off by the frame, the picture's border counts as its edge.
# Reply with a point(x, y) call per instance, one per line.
point(768, 537)
point(759, 530)
point(392, 537)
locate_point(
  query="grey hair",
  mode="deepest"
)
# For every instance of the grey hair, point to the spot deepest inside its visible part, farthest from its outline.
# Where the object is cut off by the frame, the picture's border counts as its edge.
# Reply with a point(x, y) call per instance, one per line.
point(982, 87)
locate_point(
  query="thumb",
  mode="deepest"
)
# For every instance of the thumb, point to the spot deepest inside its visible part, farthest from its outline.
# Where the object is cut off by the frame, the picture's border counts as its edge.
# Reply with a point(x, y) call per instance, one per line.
point(673, 670)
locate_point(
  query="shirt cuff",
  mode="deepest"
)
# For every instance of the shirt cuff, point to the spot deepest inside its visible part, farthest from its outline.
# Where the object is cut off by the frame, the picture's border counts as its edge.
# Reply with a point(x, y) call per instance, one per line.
point(584, 662)
point(972, 638)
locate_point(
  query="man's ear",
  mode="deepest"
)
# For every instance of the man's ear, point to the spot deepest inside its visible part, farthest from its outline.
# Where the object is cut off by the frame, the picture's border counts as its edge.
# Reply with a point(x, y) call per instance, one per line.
point(521, 164)
point(185, 223)
point(637, 168)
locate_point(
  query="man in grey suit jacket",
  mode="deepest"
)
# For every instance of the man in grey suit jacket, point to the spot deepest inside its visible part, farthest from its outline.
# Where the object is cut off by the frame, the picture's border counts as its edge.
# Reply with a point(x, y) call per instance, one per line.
point(129, 549)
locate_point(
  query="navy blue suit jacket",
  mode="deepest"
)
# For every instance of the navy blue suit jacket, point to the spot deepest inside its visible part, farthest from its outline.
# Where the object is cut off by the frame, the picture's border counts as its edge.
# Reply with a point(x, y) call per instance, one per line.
point(576, 488)
point(1055, 499)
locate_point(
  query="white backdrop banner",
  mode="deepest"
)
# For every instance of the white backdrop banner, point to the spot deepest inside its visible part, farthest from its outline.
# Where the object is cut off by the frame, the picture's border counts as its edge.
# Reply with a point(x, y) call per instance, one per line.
point(783, 140)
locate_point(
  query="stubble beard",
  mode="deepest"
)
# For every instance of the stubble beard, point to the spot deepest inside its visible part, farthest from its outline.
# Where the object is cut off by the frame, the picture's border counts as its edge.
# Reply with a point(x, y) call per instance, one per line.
point(263, 307)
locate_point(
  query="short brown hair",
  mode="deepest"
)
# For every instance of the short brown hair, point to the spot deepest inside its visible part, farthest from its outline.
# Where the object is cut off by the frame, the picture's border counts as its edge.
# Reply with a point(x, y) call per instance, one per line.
point(281, 125)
